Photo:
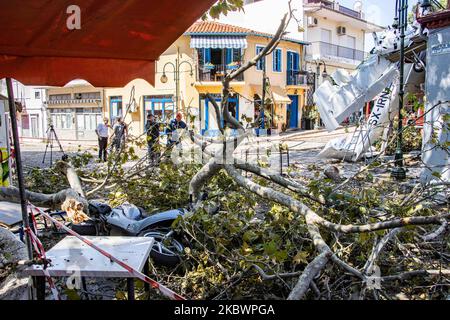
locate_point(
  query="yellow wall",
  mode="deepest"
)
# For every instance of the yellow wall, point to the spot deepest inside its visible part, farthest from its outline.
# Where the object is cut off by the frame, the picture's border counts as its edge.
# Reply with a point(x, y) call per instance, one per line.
point(190, 89)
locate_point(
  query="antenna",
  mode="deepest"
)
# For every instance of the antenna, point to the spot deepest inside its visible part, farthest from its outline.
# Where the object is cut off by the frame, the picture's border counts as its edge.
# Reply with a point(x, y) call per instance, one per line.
point(357, 6)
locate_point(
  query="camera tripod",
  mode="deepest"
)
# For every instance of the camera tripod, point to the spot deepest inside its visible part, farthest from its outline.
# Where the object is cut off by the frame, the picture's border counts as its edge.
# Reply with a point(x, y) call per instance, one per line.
point(51, 137)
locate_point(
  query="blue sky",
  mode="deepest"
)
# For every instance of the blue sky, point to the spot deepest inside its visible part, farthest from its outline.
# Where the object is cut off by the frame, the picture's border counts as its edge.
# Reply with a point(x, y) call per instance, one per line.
point(381, 12)
point(386, 9)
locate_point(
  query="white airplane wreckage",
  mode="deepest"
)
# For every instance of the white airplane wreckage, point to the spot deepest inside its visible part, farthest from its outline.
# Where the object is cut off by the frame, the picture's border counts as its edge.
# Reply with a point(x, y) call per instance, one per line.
point(427, 56)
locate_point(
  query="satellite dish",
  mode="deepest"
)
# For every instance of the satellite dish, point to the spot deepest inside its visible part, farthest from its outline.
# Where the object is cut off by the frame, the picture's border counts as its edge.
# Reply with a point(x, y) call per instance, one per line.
point(358, 6)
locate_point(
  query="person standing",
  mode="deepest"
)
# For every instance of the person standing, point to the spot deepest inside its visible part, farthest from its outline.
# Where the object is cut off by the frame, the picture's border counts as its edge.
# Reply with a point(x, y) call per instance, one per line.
point(120, 132)
point(152, 130)
point(174, 125)
point(102, 134)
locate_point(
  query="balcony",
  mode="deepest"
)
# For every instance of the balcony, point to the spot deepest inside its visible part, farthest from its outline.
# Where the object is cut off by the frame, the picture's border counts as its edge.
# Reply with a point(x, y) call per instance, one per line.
point(336, 7)
point(216, 73)
point(296, 78)
point(74, 101)
point(332, 51)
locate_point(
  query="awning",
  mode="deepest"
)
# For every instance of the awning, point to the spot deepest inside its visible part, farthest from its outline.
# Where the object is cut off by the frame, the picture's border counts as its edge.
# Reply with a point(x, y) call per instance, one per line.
point(114, 42)
point(218, 42)
point(279, 95)
point(281, 99)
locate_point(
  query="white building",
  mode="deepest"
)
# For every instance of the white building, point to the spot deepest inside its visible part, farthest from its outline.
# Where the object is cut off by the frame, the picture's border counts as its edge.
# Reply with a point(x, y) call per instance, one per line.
point(32, 121)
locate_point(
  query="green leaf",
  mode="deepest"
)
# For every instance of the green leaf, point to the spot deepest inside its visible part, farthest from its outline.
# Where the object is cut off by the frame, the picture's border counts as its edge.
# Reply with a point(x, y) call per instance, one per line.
point(72, 294)
point(270, 248)
point(121, 295)
point(300, 257)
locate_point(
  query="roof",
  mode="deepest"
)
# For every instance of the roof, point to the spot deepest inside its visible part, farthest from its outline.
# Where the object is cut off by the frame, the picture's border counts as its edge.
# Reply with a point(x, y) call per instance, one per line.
point(435, 20)
point(214, 28)
point(107, 43)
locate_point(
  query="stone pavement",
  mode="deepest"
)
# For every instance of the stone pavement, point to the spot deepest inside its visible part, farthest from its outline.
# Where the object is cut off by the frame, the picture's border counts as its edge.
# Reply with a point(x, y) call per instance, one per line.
point(297, 141)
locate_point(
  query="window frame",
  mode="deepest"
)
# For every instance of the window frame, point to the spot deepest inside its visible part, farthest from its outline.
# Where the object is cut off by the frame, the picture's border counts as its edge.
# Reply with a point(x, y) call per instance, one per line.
point(262, 61)
point(274, 58)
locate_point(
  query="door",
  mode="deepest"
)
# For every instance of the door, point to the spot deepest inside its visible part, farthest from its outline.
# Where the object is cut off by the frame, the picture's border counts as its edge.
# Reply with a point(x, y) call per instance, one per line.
point(211, 124)
point(35, 126)
point(292, 110)
point(325, 35)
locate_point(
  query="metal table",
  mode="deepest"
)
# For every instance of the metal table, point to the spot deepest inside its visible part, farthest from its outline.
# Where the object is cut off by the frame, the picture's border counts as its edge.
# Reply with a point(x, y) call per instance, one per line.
point(72, 257)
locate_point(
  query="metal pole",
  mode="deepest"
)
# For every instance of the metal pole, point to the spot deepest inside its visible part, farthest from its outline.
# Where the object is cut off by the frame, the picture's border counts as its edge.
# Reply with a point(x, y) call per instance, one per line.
point(176, 85)
point(399, 171)
point(263, 93)
point(23, 204)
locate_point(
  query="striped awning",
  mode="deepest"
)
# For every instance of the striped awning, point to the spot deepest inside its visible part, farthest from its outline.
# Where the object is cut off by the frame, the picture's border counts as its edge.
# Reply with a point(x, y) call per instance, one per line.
point(218, 42)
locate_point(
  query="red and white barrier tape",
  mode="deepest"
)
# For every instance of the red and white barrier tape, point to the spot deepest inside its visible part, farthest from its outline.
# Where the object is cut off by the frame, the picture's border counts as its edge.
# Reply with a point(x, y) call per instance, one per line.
point(137, 274)
point(39, 248)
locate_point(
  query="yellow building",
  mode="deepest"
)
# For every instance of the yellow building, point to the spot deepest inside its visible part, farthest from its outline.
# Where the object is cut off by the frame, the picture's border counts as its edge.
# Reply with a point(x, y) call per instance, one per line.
point(202, 56)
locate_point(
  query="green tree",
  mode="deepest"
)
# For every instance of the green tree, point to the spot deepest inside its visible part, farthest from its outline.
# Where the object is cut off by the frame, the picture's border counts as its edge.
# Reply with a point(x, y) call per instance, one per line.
point(223, 7)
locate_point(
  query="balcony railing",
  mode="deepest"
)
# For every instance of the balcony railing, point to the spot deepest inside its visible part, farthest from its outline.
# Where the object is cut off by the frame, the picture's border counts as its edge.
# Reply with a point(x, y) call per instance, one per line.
point(350, 12)
point(74, 101)
point(216, 73)
point(332, 50)
point(336, 6)
point(296, 78)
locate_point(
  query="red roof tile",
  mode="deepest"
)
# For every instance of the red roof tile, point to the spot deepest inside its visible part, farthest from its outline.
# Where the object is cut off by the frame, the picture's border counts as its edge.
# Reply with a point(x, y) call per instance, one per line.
point(213, 27)
point(216, 27)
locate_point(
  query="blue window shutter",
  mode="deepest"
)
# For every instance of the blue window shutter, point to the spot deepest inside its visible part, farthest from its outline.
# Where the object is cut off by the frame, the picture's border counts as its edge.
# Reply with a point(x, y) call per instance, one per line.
point(274, 60)
point(289, 61)
point(277, 60)
point(261, 63)
point(207, 55)
point(280, 65)
point(296, 61)
point(229, 56)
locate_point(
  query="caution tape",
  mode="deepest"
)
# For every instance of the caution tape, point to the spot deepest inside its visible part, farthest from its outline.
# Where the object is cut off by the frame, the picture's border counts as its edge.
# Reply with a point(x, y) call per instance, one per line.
point(39, 248)
point(137, 274)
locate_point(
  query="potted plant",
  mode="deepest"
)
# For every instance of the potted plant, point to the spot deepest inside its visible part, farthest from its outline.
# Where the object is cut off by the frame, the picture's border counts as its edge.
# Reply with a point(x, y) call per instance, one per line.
point(314, 115)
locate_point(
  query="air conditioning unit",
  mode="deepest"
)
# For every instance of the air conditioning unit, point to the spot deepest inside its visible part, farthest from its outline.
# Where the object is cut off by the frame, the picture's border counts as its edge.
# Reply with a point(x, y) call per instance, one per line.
point(312, 22)
point(341, 30)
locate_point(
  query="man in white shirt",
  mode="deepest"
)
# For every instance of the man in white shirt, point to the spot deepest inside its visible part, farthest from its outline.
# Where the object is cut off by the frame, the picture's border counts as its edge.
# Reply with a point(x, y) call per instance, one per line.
point(102, 133)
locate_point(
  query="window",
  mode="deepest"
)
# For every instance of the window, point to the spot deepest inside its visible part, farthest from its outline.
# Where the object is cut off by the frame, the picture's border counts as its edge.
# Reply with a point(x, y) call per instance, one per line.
point(62, 120)
point(115, 107)
point(55, 97)
point(277, 60)
point(326, 35)
point(261, 63)
point(351, 42)
point(90, 95)
point(161, 106)
point(25, 122)
point(37, 95)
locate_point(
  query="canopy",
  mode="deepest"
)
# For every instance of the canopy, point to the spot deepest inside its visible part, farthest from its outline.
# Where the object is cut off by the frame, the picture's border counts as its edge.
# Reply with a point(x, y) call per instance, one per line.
point(218, 42)
point(116, 42)
point(279, 95)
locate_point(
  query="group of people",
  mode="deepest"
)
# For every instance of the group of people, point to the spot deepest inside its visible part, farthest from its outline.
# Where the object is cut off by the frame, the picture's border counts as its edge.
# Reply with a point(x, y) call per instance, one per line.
point(152, 130)
point(118, 138)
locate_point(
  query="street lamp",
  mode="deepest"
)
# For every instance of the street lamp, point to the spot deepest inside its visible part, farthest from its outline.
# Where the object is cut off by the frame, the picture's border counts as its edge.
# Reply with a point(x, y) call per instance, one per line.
point(176, 69)
point(399, 171)
point(318, 63)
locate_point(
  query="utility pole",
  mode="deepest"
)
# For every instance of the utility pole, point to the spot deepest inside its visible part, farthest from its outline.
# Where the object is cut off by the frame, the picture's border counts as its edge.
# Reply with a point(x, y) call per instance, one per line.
point(19, 170)
point(399, 171)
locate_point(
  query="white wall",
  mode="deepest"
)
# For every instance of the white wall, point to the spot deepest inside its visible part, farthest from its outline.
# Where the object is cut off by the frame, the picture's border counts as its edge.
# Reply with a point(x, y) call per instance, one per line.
point(265, 16)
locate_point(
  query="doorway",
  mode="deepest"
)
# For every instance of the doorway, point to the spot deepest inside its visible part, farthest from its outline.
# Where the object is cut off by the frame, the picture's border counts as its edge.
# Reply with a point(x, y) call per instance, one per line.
point(292, 112)
point(35, 126)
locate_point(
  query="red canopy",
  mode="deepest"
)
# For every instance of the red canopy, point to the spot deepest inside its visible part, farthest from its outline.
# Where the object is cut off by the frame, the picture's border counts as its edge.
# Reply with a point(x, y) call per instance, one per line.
point(118, 40)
